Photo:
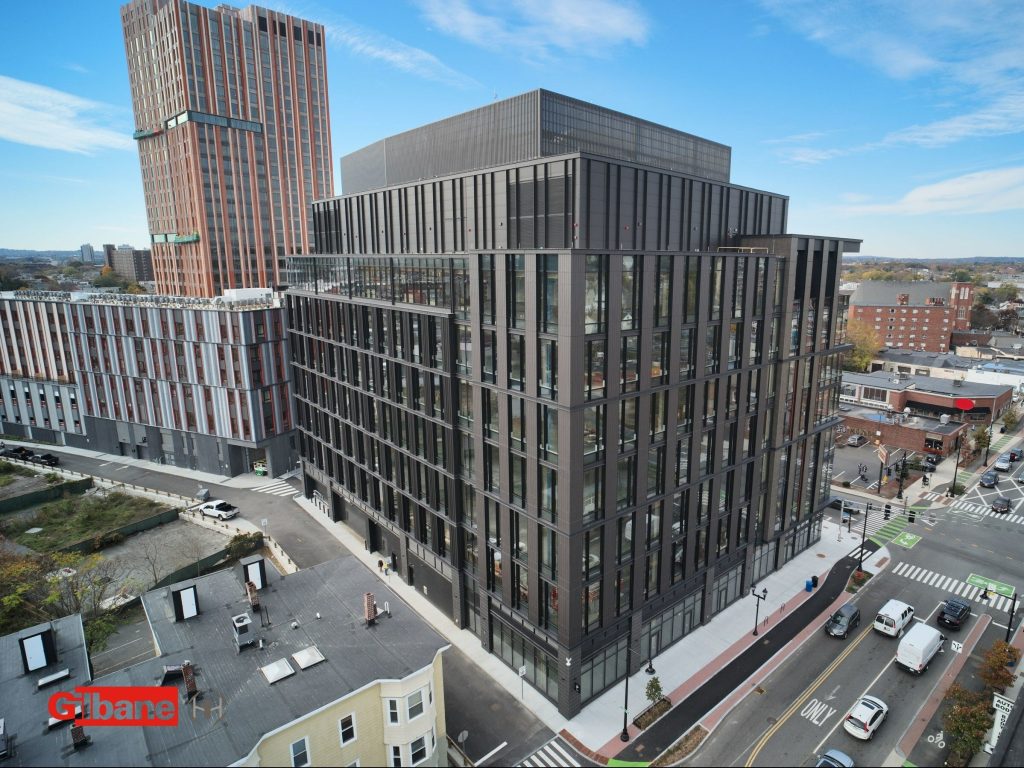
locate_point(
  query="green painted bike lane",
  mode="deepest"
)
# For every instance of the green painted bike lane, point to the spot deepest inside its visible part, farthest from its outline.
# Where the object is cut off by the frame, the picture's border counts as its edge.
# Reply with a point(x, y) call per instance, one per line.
point(889, 531)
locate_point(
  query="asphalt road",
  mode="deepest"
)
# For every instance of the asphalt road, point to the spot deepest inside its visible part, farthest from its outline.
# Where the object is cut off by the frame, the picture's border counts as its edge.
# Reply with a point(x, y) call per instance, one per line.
point(799, 713)
point(301, 538)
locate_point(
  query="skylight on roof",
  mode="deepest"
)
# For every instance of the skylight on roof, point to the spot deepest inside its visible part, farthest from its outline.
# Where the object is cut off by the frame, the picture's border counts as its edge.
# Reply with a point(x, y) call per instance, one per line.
point(307, 657)
point(278, 670)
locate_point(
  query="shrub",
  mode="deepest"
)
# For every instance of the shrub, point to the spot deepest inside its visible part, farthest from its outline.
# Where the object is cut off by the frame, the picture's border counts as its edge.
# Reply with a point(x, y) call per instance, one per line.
point(244, 543)
point(846, 483)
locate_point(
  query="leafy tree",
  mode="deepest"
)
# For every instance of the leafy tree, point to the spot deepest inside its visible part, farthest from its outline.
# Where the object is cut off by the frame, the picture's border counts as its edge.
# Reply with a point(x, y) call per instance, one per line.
point(1007, 319)
point(983, 318)
point(654, 692)
point(1011, 418)
point(961, 276)
point(135, 288)
point(244, 543)
point(995, 669)
point(37, 588)
point(967, 720)
point(983, 297)
point(1005, 292)
point(866, 343)
point(981, 437)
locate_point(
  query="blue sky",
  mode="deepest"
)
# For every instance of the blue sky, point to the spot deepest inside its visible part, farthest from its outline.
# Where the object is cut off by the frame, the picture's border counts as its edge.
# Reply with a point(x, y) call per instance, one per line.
point(901, 123)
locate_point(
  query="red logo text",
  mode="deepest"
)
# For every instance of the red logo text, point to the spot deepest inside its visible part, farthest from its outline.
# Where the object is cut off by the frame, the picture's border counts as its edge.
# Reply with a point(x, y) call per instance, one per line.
point(117, 705)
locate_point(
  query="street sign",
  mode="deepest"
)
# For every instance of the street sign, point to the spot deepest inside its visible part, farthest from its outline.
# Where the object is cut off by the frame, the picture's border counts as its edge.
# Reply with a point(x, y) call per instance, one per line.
point(1002, 706)
point(883, 454)
point(964, 403)
point(956, 647)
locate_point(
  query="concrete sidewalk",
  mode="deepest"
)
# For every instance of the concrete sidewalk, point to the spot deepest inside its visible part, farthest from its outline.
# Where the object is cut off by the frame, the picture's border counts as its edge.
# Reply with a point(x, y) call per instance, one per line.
point(696, 658)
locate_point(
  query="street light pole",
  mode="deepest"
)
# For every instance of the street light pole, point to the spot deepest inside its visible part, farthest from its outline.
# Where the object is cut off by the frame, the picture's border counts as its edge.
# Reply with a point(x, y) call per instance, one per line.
point(757, 609)
point(952, 488)
point(1013, 610)
point(901, 467)
point(864, 536)
point(624, 736)
point(988, 443)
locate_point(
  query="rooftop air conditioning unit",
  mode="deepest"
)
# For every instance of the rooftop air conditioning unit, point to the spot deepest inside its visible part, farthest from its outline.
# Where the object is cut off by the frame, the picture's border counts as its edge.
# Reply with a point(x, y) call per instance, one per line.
point(944, 418)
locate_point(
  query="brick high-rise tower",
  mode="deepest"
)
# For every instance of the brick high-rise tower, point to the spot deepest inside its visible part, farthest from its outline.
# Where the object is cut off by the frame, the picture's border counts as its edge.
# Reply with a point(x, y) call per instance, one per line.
point(232, 120)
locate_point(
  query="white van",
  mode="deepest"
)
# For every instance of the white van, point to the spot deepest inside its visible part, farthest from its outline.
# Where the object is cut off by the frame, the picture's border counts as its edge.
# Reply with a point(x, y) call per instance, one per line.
point(918, 647)
point(893, 617)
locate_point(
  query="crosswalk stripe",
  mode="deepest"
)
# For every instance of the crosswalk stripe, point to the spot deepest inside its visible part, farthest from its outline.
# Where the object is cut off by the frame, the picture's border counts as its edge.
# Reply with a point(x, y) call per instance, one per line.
point(945, 582)
point(959, 591)
point(999, 603)
point(972, 592)
point(913, 573)
point(556, 747)
point(899, 568)
point(934, 579)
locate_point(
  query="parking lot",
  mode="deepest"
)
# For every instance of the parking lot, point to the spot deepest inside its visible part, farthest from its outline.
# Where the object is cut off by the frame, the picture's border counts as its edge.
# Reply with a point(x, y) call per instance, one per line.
point(849, 459)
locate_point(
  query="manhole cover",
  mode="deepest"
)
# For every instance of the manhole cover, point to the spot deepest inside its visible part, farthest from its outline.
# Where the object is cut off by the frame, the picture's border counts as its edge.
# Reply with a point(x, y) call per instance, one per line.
point(759, 689)
point(772, 721)
point(821, 554)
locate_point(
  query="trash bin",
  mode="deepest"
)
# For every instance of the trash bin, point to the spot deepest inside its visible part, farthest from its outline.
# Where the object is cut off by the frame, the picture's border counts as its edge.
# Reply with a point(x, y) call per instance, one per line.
point(1002, 430)
point(814, 581)
point(808, 585)
point(260, 468)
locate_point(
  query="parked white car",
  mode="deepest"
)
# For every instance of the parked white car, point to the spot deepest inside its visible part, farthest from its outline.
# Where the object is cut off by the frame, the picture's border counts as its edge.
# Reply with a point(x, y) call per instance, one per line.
point(219, 509)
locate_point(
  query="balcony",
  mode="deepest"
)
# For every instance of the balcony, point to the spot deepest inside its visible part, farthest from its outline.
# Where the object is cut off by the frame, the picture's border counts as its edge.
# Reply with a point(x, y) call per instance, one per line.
point(192, 237)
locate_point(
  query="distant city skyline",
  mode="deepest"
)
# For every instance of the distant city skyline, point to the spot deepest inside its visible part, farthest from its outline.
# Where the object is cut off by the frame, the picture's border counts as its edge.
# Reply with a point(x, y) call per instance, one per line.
point(899, 124)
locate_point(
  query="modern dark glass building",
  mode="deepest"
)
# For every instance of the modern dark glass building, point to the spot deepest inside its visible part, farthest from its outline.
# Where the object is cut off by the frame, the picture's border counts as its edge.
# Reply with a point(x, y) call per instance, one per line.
point(576, 385)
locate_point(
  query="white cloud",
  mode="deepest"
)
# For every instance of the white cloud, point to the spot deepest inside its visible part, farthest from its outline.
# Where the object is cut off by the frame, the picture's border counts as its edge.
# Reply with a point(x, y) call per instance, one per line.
point(76, 67)
point(374, 45)
point(45, 117)
point(981, 192)
point(965, 56)
point(368, 43)
point(536, 28)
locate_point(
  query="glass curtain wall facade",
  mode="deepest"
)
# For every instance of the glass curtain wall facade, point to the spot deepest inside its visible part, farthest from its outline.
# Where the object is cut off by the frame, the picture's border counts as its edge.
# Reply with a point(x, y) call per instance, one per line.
point(575, 448)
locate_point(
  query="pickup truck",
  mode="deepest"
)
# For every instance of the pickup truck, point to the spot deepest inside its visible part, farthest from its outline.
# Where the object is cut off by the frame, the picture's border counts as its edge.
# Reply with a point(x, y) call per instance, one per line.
point(219, 509)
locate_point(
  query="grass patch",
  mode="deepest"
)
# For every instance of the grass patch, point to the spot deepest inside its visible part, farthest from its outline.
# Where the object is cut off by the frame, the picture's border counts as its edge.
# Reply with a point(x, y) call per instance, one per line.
point(8, 470)
point(79, 518)
point(693, 739)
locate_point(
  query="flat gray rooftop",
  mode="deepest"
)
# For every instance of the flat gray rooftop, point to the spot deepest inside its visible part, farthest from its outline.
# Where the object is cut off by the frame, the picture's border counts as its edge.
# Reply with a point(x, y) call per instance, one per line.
point(355, 655)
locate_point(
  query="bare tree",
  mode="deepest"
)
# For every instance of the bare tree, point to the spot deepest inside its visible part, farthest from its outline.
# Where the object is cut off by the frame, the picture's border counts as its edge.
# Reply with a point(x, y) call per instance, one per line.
point(151, 557)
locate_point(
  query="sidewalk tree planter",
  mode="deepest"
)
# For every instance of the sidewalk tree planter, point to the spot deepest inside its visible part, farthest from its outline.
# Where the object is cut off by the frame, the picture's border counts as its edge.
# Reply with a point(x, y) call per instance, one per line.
point(652, 712)
point(693, 739)
point(857, 580)
point(966, 722)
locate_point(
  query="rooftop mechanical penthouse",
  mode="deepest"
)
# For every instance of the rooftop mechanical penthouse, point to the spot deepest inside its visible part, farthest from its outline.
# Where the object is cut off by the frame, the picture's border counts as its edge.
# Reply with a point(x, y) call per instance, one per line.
point(574, 383)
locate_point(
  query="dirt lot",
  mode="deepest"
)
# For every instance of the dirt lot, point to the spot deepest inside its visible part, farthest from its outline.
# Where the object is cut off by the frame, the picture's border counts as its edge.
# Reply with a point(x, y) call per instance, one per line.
point(151, 555)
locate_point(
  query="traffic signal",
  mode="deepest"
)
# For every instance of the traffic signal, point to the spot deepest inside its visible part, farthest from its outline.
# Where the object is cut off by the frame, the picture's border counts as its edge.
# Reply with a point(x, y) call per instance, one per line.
point(888, 512)
point(888, 471)
point(912, 516)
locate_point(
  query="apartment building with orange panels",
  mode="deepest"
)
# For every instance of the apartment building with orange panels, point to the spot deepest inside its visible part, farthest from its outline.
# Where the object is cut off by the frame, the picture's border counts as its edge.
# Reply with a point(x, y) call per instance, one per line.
point(915, 315)
point(233, 130)
point(197, 383)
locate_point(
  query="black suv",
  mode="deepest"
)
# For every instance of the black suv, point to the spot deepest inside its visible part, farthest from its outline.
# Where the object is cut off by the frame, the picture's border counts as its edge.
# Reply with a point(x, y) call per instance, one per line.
point(46, 459)
point(954, 613)
point(842, 621)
